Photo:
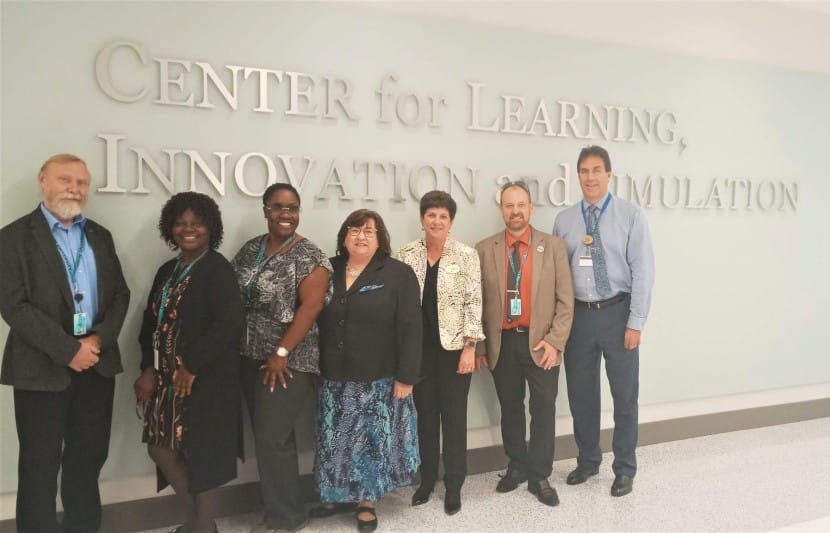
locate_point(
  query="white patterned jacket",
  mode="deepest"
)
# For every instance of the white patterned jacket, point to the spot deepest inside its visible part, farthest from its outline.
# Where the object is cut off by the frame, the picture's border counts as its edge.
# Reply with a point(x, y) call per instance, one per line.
point(459, 289)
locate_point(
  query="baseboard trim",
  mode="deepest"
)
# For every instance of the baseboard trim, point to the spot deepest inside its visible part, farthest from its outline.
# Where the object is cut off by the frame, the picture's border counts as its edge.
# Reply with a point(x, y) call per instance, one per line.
point(161, 511)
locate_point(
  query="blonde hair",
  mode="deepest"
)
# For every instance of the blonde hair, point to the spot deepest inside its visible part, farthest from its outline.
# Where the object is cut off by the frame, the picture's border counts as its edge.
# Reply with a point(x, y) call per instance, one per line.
point(62, 158)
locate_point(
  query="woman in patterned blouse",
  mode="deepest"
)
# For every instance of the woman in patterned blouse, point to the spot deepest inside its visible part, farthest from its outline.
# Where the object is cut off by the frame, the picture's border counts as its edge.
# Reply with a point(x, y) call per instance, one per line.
point(450, 278)
point(284, 280)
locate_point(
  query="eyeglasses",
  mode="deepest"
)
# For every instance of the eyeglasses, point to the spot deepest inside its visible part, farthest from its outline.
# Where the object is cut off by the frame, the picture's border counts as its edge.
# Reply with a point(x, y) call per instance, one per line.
point(276, 209)
point(518, 183)
point(369, 233)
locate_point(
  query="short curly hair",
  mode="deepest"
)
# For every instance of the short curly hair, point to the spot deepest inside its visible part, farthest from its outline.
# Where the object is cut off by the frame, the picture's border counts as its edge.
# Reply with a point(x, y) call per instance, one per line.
point(202, 206)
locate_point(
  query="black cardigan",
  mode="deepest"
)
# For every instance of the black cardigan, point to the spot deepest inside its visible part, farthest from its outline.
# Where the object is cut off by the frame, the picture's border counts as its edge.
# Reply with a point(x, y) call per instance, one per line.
point(212, 319)
point(373, 330)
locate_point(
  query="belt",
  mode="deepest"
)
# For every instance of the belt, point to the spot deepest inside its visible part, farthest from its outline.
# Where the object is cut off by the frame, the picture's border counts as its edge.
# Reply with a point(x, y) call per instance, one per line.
point(602, 304)
point(517, 329)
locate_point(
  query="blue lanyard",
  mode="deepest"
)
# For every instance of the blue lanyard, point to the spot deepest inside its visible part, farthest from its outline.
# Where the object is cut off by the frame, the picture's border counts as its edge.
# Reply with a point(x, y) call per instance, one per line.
point(521, 266)
point(259, 262)
point(165, 292)
point(592, 231)
point(73, 268)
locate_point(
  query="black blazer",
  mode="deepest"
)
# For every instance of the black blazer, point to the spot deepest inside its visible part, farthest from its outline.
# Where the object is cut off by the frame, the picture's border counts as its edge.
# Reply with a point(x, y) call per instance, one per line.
point(373, 330)
point(36, 302)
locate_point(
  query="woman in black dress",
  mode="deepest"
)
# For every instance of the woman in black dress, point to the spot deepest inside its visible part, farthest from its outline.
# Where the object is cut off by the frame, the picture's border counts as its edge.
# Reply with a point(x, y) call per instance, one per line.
point(189, 385)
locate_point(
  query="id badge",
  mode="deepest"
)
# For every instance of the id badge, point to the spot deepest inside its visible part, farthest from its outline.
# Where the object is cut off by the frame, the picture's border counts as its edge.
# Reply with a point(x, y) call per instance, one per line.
point(515, 307)
point(79, 324)
point(586, 261)
point(156, 350)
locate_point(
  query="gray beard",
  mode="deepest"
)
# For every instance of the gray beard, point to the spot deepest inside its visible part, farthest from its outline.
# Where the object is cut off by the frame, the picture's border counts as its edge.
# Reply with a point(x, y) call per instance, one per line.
point(67, 210)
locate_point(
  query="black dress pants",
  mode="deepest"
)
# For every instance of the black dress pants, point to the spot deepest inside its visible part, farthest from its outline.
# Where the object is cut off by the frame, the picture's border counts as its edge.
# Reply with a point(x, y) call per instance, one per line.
point(273, 415)
point(514, 368)
point(66, 431)
point(441, 402)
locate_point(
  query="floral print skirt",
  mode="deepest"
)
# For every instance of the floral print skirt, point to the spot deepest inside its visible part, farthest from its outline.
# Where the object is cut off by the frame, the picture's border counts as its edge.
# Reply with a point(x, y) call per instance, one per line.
point(163, 424)
point(367, 441)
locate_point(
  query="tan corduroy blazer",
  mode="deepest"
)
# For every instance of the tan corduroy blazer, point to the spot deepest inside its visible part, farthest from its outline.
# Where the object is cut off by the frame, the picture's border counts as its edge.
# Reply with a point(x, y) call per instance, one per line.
point(551, 299)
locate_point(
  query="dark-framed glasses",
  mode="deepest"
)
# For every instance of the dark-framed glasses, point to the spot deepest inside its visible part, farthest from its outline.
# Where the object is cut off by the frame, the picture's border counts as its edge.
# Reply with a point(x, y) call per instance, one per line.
point(276, 209)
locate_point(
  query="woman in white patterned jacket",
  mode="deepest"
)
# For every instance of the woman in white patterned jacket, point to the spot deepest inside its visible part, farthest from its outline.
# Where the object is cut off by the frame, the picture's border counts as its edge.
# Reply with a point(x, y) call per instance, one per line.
point(449, 274)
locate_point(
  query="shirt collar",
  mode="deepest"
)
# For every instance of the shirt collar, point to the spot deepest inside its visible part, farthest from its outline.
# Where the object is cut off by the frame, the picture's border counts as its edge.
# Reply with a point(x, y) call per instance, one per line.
point(524, 238)
point(599, 202)
point(53, 220)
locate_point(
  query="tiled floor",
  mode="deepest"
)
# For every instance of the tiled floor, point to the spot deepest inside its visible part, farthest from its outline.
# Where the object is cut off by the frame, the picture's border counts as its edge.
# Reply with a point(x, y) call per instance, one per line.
point(774, 478)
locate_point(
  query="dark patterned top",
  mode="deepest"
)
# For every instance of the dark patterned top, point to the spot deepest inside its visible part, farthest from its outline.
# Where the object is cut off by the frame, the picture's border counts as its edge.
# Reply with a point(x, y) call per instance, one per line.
point(163, 423)
point(272, 297)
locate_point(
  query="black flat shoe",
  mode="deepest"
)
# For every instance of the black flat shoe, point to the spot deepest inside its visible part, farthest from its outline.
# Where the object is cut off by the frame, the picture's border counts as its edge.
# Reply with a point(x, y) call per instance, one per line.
point(622, 485)
point(326, 510)
point(421, 495)
point(452, 502)
point(581, 474)
point(366, 526)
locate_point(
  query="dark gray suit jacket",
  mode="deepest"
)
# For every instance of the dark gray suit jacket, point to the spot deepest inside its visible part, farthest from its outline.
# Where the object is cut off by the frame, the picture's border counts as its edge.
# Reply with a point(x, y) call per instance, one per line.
point(36, 302)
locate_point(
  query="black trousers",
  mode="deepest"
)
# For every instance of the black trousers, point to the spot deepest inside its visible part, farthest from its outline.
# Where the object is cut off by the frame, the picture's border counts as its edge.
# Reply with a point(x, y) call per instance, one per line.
point(514, 368)
point(66, 431)
point(273, 415)
point(441, 402)
point(596, 334)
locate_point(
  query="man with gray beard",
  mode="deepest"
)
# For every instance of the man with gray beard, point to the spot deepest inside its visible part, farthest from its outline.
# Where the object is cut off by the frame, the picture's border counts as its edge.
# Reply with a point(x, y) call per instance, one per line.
point(64, 298)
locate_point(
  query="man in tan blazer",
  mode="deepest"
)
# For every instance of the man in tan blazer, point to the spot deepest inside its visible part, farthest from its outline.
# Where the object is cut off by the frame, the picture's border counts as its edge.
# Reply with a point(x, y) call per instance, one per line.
point(527, 311)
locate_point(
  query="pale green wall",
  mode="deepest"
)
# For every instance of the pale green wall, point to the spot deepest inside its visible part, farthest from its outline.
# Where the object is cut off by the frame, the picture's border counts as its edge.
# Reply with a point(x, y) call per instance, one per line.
point(739, 302)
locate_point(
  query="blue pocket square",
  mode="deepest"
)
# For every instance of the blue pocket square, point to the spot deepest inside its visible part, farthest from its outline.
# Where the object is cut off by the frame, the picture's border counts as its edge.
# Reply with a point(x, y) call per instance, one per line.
point(367, 288)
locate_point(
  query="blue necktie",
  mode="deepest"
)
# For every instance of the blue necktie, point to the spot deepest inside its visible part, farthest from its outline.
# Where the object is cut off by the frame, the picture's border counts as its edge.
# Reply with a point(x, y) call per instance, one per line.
point(597, 257)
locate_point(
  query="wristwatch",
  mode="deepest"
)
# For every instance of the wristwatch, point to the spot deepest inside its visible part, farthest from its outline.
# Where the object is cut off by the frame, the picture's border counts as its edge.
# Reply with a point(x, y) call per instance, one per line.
point(470, 344)
point(282, 352)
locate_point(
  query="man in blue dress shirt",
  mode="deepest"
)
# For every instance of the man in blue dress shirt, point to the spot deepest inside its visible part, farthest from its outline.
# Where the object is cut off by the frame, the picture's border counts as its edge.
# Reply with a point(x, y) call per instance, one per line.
point(64, 297)
point(613, 274)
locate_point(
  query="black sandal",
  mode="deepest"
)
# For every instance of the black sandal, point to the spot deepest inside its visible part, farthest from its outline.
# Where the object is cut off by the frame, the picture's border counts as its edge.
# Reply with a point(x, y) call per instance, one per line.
point(366, 526)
